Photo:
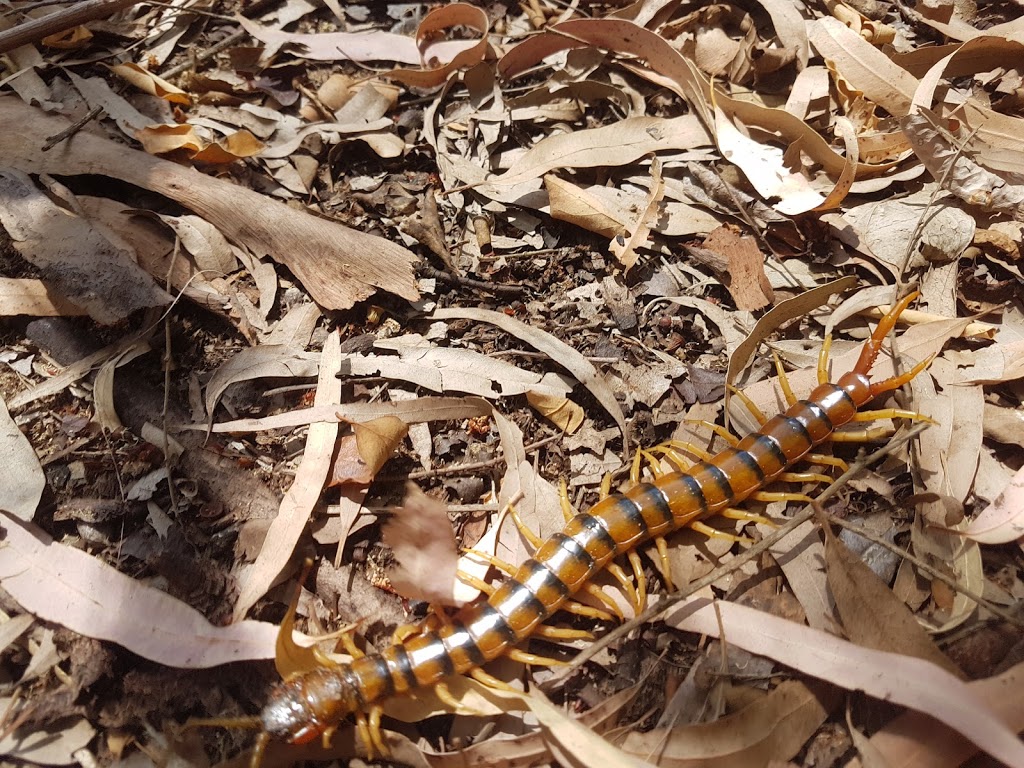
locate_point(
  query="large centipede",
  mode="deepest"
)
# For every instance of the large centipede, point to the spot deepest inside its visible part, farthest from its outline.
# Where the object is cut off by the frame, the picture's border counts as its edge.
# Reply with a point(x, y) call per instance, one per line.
point(314, 703)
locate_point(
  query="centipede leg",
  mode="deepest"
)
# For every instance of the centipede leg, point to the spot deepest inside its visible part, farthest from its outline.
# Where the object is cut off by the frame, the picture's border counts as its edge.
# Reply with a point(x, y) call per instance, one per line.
point(524, 657)
point(258, 750)
point(373, 725)
point(549, 632)
point(577, 608)
point(444, 693)
point(749, 517)
point(491, 681)
point(750, 405)
point(892, 413)
point(826, 461)
point(784, 385)
point(532, 538)
point(616, 571)
point(641, 580)
point(475, 582)
point(714, 533)
point(666, 566)
point(869, 435)
point(803, 477)
point(769, 496)
point(598, 594)
point(826, 347)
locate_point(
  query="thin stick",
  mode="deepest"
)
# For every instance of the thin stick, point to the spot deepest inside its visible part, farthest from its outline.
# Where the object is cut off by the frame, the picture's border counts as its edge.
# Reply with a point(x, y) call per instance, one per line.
point(78, 13)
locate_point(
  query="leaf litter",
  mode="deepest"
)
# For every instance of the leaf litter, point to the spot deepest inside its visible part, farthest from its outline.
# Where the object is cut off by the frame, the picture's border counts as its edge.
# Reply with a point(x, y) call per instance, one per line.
point(487, 251)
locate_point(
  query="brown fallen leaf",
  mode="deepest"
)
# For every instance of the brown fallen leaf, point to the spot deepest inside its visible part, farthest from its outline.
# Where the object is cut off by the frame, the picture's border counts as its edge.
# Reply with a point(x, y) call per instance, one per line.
point(771, 730)
point(742, 269)
point(76, 590)
point(903, 680)
point(872, 615)
point(420, 534)
point(337, 265)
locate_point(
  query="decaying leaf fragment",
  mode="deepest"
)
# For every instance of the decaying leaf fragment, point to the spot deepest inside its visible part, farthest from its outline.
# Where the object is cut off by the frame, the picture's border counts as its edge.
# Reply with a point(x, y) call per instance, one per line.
point(421, 536)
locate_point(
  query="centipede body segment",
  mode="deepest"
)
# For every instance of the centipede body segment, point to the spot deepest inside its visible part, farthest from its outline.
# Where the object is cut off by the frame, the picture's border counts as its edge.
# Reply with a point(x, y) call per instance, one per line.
point(308, 705)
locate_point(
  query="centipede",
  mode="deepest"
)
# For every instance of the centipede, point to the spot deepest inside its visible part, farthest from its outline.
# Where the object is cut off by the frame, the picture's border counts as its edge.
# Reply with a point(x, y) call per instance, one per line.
point(314, 703)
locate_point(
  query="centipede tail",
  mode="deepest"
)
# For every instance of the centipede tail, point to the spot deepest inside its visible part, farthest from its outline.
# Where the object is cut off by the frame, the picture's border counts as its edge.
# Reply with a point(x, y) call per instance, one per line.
point(311, 704)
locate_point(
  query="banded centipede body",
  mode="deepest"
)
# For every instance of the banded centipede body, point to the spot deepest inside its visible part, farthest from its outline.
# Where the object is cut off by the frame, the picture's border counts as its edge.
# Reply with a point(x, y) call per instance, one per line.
point(311, 704)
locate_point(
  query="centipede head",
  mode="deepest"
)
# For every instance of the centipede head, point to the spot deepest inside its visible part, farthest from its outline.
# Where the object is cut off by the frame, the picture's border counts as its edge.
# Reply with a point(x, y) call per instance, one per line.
point(308, 705)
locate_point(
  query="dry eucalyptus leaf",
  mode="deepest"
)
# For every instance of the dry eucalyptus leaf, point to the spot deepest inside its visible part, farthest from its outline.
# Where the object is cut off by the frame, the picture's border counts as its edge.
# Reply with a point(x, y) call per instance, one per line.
point(337, 265)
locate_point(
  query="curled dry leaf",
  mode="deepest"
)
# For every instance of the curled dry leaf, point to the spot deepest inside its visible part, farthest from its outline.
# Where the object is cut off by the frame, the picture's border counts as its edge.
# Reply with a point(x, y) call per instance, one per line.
point(560, 411)
point(152, 84)
point(377, 440)
point(265, 361)
point(75, 590)
point(439, 19)
point(186, 140)
point(421, 536)
point(357, 46)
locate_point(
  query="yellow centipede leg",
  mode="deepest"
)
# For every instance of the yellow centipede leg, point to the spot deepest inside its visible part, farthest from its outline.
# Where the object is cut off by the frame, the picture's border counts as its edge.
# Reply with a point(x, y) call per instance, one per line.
point(444, 693)
point(750, 405)
point(892, 413)
point(523, 657)
point(826, 461)
point(780, 496)
point(641, 580)
point(491, 681)
point(579, 609)
point(598, 594)
point(750, 517)
point(869, 435)
point(474, 582)
point(615, 571)
point(373, 726)
point(718, 429)
point(563, 501)
point(534, 540)
point(666, 566)
point(714, 533)
point(549, 632)
point(258, 750)
point(826, 347)
point(803, 477)
point(787, 390)
point(363, 734)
